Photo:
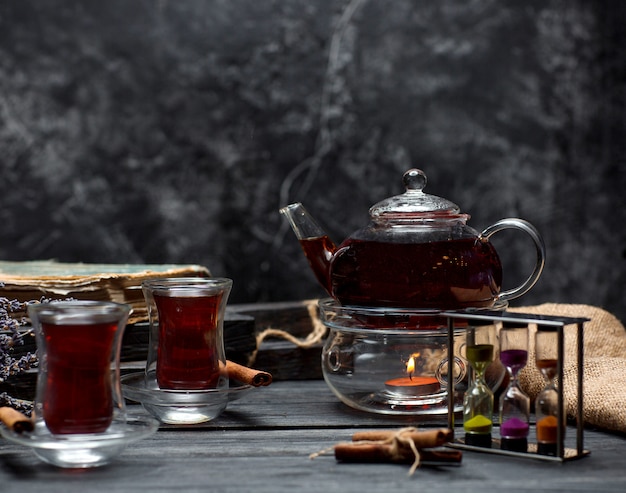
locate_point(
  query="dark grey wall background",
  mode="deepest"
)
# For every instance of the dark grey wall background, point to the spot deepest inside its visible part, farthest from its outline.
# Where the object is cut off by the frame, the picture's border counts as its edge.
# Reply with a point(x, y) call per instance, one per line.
point(172, 131)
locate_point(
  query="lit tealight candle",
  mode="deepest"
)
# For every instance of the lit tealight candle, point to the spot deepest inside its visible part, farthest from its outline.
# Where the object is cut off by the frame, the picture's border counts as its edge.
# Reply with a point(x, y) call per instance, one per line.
point(413, 385)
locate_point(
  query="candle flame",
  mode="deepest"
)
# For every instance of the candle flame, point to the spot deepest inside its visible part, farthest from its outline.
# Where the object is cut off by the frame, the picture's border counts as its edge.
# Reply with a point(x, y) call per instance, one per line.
point(410, 365)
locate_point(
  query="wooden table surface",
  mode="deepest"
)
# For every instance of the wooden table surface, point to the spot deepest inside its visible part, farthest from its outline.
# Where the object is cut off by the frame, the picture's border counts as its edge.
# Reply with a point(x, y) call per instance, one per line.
point(262, 443)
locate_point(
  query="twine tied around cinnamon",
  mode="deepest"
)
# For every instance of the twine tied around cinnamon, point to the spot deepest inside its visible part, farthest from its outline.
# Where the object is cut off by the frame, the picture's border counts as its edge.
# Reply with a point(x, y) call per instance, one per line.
point(403, 446)
point(397, 447)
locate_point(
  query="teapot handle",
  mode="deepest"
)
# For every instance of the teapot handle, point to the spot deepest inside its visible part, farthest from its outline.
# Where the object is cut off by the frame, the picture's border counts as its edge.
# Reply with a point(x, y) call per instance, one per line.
point(514, 223)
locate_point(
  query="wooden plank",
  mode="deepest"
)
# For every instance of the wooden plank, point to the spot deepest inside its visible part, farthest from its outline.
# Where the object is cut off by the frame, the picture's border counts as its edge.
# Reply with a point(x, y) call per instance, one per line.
point(243, 322)
point(239, 345)
point(286, 360)
point(267, 447)
point(291, 316)
point(239, 339)
point(310, 404)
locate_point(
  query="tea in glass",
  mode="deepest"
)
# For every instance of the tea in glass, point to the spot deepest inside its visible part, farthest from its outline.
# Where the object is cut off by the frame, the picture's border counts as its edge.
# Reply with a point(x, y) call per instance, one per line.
point(78, 348)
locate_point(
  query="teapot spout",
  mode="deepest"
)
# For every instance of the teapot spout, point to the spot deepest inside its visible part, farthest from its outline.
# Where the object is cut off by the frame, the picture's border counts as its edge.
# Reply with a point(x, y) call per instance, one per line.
point(316, 245)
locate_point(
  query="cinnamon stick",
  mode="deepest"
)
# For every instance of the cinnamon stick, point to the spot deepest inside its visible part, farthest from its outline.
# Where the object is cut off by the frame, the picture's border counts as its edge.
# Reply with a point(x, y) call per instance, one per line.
point(249, 376)
point(15, 420)
point(421, 438)
point(389, 453)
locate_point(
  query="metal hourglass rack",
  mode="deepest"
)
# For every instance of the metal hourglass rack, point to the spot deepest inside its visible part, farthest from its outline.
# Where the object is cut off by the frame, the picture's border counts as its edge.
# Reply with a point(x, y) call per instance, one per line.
point(550, 334)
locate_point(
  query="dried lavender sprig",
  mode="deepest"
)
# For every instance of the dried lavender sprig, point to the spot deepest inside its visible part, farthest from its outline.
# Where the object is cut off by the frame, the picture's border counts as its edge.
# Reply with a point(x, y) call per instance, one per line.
point(10, 366)
point(14, 336)
point(25, 407)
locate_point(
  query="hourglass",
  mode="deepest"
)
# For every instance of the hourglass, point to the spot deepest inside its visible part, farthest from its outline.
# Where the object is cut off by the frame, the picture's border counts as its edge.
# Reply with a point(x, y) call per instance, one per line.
point(478, 399)
point(547, 402)
point(514, 403)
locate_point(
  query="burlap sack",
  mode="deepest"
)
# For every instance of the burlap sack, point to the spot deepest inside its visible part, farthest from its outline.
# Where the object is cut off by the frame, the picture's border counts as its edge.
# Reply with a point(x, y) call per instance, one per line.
point(604, 391)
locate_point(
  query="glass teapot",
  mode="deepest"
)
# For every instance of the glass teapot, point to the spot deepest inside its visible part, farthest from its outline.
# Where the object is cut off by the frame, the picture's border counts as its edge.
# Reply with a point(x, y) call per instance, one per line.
point(417, 252)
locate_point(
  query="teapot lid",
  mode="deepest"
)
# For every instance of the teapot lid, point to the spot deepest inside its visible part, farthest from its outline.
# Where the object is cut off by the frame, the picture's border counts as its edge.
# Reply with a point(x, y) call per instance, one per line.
point(414, 203)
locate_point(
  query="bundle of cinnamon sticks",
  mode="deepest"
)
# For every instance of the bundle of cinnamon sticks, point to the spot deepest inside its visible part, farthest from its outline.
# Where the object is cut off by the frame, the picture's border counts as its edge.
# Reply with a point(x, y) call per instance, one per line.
point(403, 446)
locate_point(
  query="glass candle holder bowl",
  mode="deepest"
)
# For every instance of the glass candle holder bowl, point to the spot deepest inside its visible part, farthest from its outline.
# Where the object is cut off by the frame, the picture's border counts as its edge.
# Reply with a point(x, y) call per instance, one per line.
point(392, 361)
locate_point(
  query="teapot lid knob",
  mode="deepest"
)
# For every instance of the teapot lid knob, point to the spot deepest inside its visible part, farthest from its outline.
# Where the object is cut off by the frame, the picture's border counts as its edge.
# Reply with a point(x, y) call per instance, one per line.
point(413, 203)
point(414, 179)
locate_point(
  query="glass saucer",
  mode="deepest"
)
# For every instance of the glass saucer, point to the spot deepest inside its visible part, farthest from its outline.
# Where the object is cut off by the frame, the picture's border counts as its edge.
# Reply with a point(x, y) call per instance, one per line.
point(181, 406)
point(83, 450)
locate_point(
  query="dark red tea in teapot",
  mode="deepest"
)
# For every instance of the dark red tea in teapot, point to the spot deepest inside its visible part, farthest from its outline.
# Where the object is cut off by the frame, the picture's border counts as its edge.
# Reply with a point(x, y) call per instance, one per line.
point(450, 274)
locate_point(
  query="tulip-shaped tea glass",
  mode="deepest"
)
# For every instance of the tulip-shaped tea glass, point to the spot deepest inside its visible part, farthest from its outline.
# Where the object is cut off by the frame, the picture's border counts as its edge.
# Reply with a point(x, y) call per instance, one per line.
point(186, 361)
point(547, 402)
point(514, 403)
point(478, 399)
point(80, 415)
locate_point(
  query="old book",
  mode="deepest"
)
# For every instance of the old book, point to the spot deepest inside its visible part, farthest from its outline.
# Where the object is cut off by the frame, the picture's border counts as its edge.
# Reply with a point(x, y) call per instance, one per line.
point(121, 283)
